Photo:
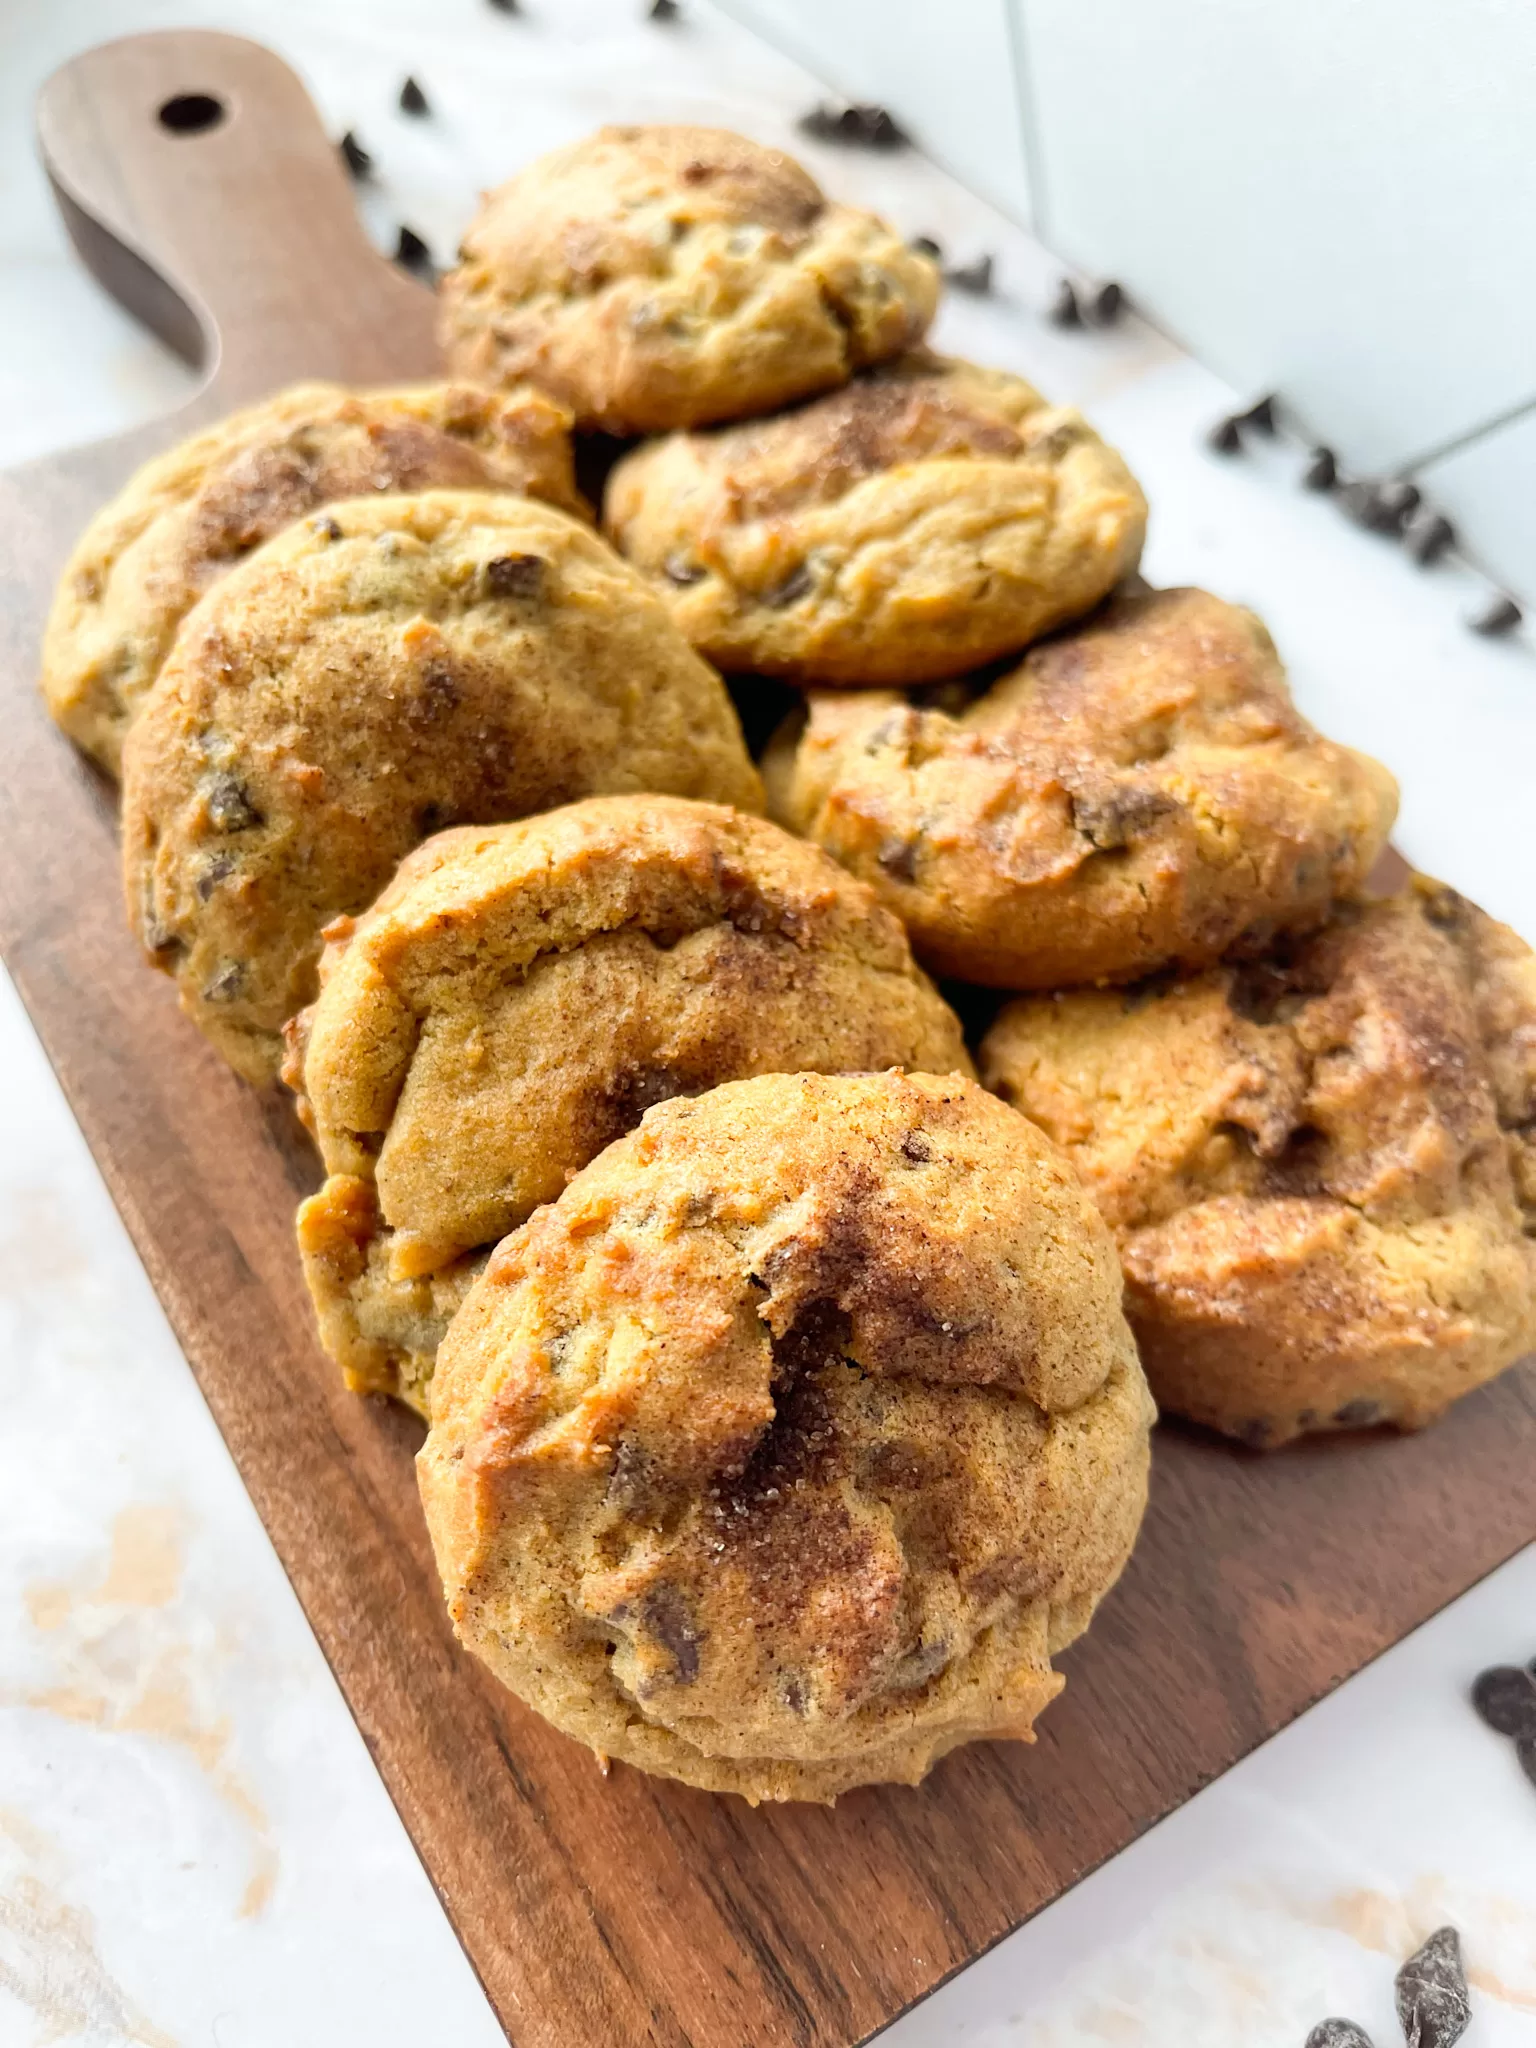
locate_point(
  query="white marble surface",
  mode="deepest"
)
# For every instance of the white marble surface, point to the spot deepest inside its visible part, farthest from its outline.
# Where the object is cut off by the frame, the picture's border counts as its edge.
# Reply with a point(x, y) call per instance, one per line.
point(194, 1847)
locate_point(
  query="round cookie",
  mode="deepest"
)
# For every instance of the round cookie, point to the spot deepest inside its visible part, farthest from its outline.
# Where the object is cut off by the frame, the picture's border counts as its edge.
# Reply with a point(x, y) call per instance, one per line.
point(1140, 793)
point(783, 1450)
point(666, 277)
point(927, 518)
point(190, 515)
point(389, 667)
point(1320, 1166)
point(521, 994)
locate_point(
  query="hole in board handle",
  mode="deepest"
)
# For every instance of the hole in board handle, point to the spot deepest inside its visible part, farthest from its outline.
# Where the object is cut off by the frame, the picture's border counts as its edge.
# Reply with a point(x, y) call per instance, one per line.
point(192, 113)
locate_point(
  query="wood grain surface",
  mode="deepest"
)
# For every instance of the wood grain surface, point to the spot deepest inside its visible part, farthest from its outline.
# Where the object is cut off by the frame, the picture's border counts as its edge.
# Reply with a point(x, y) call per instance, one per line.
point(623, 1910)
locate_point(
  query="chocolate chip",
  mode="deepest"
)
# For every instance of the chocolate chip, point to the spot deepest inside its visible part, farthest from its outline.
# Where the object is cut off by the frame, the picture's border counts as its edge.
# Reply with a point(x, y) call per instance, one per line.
point(229, 805)
point(1226, 437)
point(1358, 1414)
point(670, 1620)
point(1261, 414)
point(411, 252)
point(1110, 822)
point(1338, 2034)
point(898, 858)
point(683, 570)
point(212, 873)
point(326, 527)
point(1399, 500)
point(1428, 537)
point(975, 278)
point(355, 157)
point(1064, 310)
point(1105, 306)
point(1257, 1433)
point(664, 10)
point(864, 126)
point(412, 99)
point(504, 6)
point(1322, 471)
point(1525, 1750)
point(1431, 1993)
point(1505, 1697)
point(925, 245)
point(796, 585)
point(227, 985)
point(915, 1146)
point(1370, 505)
point(1500, 615)
point(521, 576)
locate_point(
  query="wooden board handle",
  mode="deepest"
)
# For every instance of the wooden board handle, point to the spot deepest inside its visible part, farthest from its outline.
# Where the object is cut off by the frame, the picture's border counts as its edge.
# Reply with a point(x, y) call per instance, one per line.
point(198, 184)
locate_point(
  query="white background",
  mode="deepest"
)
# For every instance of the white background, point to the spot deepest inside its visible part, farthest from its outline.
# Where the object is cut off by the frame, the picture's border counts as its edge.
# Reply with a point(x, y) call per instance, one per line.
point(194, 1847)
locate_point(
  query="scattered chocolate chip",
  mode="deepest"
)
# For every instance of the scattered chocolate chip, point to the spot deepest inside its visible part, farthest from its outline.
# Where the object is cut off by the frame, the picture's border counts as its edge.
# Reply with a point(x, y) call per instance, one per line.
point(1428, 537)
point(683, 570)
point(796, 585)
point(411, 252)
point(1105, 306)
point(1261, 414)
point(898, 859)
point(1358, 1414)
point(915, 1146)
point(1431, 1992)
point(355, 157)
point(664, 10)
point(862, 126)
point(326, 527)
point(1322, 471)
point(412, 99)
point(1500, 615)
point(972, 277)
point(1064, 309)
point(1505, 1697)
point(1338, 2034)
point(1399, 500)
point(516, 575)
point(504, 6)
point(1525, 1750)
point(1226, 437)
point(217, 870)
point(925, 245)
point(1365, 504)
point(229, 805)
point(227, 985)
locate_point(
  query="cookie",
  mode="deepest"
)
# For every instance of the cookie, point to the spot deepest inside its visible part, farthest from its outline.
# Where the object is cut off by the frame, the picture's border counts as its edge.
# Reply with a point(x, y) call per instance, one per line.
point(189, 516)
point(1320, 1165)
point(521, 994)
point(665, 277)
point(783, 1450)
point(387, 668)
point(930, 517)
point(1140, 793)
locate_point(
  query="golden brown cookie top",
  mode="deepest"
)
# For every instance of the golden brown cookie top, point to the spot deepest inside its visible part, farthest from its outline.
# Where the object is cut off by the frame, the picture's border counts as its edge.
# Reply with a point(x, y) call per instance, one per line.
point(190, 515)
point(667, 276)
point(520, 994)
point(801, 1400)
point(389, 667)
point(1142, 791)
point(926, 518)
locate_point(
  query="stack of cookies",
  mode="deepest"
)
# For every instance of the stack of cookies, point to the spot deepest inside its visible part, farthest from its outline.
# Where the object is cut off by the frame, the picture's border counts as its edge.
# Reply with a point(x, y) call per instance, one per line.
point(785, 1417)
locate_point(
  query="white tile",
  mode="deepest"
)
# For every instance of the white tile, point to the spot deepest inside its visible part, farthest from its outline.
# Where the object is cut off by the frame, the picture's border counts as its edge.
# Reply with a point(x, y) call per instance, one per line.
point(1489, 489)
point(1329, 199)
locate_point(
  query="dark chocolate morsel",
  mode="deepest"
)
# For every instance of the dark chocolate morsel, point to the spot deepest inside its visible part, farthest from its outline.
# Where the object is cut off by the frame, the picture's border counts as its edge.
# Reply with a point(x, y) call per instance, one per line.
point(411, 252)
point(1262, 414)
point(664, 10)
point(1105, 305)
point(1322, 471)
point(898, 859)
point(925, 245)
point(1431, 1991)
point(355, 157)
point(1500, 615)
point(972, 277)
point(412, 99)
point(227, 984)
point(1399, 500)
point(516, 575)
point(1358, 1414)
point(679, 569)
point(1368, 504)
point(1226, 437)
point(326, 527)
point(504, 6)
point(1505, 1697)
point(1064, 309)
point(864, 126)
point(230, 808)
point(1428, 537)
point(1525, 1750)
point(1338, 2034)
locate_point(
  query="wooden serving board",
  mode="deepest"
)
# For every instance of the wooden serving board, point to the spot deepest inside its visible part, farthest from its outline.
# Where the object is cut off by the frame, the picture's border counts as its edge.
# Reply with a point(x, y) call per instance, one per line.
point(619, 1911)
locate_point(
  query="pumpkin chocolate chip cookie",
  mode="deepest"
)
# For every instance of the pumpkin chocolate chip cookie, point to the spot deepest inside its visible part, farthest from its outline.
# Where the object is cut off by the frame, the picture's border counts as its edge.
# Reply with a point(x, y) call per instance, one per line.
point(389, 667)
point(929, 517)
point(665, 277)
point(1320, 1165)
point(1140, 793)
point(521, 994)
point(187, 517)
point(783, 1450)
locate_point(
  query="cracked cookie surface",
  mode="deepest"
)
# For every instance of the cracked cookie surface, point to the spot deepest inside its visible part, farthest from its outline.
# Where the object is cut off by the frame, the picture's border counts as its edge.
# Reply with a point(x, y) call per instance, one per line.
point(190, 515)
point(392, 666)
point(929, 517)
point(783, 1450)
point(521, 994)
point(1320, 1165)
point(1139, 793)
point(668, 276)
